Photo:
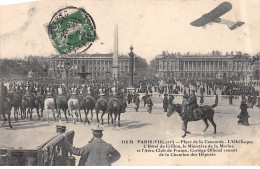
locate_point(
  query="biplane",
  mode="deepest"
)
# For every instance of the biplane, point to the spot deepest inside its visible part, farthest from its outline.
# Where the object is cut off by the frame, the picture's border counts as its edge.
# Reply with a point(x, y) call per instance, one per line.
point(214, 17)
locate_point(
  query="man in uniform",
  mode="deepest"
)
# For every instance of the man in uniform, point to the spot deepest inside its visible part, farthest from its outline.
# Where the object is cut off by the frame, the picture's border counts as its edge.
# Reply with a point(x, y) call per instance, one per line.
point(171, 98)
point(230, 97)
point(97, 152)
point(192, 104)
point(165, 102)
point(149, 103)
point(60, 90)
point(137, 101)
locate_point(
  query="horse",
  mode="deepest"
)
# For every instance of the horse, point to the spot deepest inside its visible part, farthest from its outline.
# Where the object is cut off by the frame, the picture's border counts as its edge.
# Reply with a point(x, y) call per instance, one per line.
point(49, 103)
point(204, 113)
point(87, 103)
point(17, 103)
point(27, 102)
point(6, 107)
point(101, 104)
point(39, 105)
point(73, 104)
point(62, 103)
point(114, 106)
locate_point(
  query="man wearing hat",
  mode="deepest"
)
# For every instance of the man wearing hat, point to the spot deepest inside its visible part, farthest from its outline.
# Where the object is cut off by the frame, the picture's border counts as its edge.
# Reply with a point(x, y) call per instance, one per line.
point(165, 102)
point(192, 104)
point(171, 98)
point(137, 101)
point(60, 129)
point(97, 152)
point(149, 103)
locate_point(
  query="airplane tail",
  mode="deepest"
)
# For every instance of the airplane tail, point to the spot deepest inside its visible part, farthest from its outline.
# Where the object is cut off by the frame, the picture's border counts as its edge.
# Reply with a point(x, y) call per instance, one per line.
point(236, 25)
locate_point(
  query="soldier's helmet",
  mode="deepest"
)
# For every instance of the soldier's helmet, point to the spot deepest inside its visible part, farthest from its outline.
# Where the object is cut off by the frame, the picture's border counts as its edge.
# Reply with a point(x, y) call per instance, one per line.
point(60, 129)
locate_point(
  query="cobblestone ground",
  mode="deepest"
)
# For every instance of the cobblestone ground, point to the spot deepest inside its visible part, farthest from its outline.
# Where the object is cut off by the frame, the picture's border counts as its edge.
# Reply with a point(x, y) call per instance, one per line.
point(144, 126)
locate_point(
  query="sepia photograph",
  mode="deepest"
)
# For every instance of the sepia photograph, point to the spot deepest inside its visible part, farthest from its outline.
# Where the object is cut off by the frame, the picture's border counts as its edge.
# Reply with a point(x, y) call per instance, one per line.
point(130, 83)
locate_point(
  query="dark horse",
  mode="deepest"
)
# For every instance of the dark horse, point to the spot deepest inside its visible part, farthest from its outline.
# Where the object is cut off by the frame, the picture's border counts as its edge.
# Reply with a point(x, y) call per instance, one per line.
point(62, 103)
point(6, 107)
point(17, 103)
point(87, 103)
point(114, 106)
point(202, 112)
point(27, 102)
point(101, 104)
point(39, 105)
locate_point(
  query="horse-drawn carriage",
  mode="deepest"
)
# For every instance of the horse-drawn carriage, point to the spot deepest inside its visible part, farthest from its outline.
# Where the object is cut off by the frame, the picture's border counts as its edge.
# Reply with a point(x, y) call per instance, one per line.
point(50, 153)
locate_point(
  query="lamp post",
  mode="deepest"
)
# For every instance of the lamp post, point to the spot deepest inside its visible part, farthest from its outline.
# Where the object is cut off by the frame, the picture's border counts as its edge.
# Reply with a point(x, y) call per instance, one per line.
point(131, 66)
point(131, 69)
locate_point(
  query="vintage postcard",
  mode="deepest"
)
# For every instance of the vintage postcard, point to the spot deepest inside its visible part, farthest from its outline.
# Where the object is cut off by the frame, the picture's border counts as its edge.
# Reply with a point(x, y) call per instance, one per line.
point(130, 83)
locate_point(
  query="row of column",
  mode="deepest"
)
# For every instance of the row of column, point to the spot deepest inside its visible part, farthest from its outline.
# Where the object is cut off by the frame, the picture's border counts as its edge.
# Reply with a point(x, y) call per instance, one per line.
point(93, 66)
point(206, 66)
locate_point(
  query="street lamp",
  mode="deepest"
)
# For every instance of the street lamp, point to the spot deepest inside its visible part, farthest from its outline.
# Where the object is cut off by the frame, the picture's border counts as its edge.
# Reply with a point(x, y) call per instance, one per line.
point(131, 69)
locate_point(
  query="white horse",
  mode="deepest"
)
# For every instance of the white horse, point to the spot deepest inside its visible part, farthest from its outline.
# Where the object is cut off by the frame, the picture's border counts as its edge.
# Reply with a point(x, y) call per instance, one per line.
point(73, 104)
point(49, 103)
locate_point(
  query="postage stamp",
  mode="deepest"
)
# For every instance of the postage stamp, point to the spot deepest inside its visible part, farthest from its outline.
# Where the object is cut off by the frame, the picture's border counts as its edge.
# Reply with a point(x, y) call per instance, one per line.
point(71, 30)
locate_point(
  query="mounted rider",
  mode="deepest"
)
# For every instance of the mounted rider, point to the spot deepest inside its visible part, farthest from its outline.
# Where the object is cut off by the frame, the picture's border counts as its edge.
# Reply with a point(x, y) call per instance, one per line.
point(191, 105)
point(28, 91)
point(3, 90)
point(74, 92)
point(61, 90)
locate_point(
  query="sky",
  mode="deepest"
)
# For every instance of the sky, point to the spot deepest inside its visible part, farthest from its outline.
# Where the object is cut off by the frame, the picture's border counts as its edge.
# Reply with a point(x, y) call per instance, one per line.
point(150, 26)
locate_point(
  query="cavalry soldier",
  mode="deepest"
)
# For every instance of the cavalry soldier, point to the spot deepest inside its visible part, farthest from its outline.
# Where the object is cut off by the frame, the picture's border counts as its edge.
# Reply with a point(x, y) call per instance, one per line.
point(60, 90)
point(50, 93)
point(191, 104)
point(3, 90)
point(137, 101)
point(149, 103)
point(74, 89)
point(171, 98)
point(165, 102)
point(97, 152)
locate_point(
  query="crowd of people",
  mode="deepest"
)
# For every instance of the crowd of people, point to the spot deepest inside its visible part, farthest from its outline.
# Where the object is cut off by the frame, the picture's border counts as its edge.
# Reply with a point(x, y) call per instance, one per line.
point(187, 88)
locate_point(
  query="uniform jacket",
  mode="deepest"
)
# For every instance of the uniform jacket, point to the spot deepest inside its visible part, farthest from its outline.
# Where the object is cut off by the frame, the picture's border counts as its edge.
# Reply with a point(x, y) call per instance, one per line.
point(192, 102)
point(149, 101)
point(96, 153)
point(165, 102)
point(137, 100)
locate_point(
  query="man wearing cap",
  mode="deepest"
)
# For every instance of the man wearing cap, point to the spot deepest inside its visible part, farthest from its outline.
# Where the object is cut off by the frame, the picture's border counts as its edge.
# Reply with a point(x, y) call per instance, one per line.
point(149, 103)
point(137, 101)
point(170, 101)
point(192, 104)
point(60, 129)
point(97, 152)
point(165, 102)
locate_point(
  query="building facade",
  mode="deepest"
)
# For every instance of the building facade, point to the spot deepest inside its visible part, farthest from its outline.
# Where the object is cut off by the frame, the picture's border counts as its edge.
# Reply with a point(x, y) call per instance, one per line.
point(211, 65)
point(99, 66)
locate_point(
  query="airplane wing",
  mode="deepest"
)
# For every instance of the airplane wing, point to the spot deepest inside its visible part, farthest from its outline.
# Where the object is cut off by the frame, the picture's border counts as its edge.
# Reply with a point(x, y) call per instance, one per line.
point(212, 15)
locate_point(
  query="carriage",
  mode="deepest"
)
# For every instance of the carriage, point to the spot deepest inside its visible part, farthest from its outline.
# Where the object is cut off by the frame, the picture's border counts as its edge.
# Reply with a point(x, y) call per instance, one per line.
point(50, 153)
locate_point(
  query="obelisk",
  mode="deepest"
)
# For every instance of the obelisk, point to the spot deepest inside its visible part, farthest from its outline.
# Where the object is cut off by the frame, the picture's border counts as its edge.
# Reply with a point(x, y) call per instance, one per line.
point(115, 54)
